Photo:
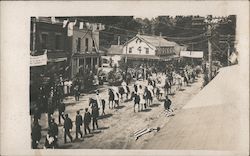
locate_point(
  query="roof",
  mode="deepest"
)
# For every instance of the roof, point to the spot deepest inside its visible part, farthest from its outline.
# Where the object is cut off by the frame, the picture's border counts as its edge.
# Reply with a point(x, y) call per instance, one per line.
point(115, 49)
point(156, 41)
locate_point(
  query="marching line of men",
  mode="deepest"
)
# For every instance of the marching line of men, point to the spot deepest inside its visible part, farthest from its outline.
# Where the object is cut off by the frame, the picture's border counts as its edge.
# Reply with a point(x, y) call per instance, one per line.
point(52, 134)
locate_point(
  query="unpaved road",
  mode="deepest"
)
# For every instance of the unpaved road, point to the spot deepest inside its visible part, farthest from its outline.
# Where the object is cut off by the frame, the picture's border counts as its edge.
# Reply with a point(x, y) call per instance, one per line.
point(118, 125)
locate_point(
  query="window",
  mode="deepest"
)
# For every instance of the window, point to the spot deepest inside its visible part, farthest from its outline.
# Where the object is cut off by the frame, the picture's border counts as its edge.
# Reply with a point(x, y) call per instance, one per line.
point(58, 42)
point(78, 46)
point(93, 43)
point(44, 41)
point(139, 49)
point(87, 44)
point(147, 51)
point(130, 50)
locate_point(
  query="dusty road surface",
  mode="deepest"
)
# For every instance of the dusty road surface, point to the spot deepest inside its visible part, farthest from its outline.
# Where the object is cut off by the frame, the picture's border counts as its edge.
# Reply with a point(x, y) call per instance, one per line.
point(117, 127)
point(212, 120)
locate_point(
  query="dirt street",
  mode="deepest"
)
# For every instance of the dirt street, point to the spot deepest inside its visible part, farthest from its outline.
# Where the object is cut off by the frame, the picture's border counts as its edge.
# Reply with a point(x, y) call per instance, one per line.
point(116, 128)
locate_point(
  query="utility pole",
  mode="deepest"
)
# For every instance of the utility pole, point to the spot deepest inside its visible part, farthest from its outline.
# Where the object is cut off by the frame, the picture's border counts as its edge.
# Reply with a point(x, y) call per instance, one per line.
point(211, 23)
point(227, 39)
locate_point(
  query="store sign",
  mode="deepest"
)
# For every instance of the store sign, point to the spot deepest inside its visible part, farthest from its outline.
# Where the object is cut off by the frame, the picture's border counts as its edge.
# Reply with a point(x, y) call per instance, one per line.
point(192, 54)
point(40, 60)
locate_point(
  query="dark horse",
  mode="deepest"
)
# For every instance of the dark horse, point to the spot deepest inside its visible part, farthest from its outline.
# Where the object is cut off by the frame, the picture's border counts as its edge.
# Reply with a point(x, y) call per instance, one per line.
point(122, 91)
point(148, 97)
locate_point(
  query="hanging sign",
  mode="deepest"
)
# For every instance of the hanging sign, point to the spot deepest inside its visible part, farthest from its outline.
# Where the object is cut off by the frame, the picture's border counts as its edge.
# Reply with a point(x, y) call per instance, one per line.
point(40, 60)
point(192, 54)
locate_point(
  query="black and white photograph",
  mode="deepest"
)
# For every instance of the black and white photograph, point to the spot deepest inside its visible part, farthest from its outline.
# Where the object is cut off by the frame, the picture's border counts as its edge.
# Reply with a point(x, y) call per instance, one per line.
point(159, 81)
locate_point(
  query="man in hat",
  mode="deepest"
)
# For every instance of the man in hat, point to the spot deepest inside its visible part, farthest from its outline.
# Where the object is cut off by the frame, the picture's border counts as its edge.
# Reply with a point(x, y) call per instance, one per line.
point(67, 128)
point(167, 104)
point(86, 121)
point(78, 123)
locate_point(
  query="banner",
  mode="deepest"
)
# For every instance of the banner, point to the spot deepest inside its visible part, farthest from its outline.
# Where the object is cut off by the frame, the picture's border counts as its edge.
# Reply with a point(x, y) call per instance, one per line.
point(40, 60)
point(192, 54)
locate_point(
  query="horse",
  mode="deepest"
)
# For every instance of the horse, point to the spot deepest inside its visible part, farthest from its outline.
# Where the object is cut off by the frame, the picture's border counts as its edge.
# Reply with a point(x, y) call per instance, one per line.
point(136, 99)
point(148, 96)
point(123, 91)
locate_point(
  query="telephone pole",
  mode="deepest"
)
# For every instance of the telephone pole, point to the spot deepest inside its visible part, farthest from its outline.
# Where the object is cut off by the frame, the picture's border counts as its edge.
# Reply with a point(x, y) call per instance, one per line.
point(211, 23)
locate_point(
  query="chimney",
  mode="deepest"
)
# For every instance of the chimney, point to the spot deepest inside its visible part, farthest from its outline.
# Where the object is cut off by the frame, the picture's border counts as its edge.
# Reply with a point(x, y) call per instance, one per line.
point(118, 40)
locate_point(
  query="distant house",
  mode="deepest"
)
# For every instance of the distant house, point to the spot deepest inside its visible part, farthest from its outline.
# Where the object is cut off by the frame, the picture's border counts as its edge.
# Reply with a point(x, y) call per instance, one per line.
point(147, 49)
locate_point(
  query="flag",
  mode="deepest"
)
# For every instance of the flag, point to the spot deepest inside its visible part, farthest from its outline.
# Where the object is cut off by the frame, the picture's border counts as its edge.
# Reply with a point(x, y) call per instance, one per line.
point(81, 25)
point(88, 25)
point(233, 58)
point(70, 28)
point(53, 20)
point(65, 23)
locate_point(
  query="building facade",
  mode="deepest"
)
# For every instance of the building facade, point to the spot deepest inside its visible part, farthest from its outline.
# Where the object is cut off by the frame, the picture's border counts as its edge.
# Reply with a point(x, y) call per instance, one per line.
point(85, 51)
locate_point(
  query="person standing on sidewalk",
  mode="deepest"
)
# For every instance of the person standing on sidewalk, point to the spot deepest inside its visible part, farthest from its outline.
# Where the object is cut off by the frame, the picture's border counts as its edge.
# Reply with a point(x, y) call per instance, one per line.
point(36, 134)
point(86, 121)
point(78, 123)
point(67, 128)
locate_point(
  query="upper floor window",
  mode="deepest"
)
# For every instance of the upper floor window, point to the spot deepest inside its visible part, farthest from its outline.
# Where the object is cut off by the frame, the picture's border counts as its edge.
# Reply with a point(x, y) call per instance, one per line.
point(58, 42)
point(130, 50)
point(139, 49)
point(93, 45)
point(44, 41)
point(147, 50)
point(87, 44)
point(78, 47)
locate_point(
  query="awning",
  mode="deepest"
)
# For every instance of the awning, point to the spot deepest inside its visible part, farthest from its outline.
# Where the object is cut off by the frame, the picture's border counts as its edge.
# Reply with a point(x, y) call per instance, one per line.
point(141, 57)
point(57, 59)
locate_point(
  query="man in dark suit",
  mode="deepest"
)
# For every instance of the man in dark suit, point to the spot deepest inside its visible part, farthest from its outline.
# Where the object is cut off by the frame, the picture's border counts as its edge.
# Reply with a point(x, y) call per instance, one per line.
point(54, 131)
point(95, 114)
point(67, 128)
point(35, 134)
point(78, 123)
point(86, 121)
point(61, 109)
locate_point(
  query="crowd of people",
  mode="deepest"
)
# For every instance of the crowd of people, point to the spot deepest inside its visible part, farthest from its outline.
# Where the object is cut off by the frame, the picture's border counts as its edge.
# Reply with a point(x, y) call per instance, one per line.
point(159, 85)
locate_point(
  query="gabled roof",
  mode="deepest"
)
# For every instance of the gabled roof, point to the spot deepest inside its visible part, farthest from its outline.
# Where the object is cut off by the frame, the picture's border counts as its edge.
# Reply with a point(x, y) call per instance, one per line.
point(157, 41)
point(115, 49)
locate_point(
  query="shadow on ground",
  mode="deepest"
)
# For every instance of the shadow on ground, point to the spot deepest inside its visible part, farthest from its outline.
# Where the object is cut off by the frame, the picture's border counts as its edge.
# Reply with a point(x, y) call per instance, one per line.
point(155, 105)
point(105, 116)
point(119, 107)
point(146, 110)
point(103, 128)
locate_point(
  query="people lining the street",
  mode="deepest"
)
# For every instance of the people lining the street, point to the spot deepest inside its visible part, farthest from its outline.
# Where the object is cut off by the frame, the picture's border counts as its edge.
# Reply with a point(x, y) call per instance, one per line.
point(35, 134)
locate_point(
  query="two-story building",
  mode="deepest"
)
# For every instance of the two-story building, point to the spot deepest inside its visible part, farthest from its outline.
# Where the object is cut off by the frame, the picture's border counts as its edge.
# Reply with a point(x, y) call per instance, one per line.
point(85, 50)
point(147, 50)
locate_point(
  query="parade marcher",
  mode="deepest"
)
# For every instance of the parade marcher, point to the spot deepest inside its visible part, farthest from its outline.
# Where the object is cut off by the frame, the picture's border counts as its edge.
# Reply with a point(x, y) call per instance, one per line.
point(78, 123)
point(61, 109)
point(35, 134)
point(103, 107)
point(167, 104)
point(142, 99)
point(67, 128)
point(124, 86)
point(98, 100)
point(95, 114)
point(37, 113)
point(86, 121)
point(136, 101)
